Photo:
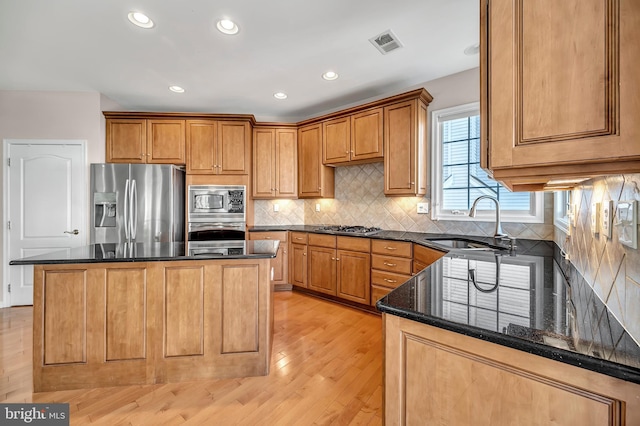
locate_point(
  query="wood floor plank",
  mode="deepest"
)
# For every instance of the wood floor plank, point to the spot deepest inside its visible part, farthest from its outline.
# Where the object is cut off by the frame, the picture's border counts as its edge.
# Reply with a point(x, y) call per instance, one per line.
point(326, 369)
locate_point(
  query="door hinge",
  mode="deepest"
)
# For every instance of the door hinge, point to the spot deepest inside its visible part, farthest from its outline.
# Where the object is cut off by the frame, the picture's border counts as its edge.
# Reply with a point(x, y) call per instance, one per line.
point(9, 288)
point(9, 161)
point(8, 224)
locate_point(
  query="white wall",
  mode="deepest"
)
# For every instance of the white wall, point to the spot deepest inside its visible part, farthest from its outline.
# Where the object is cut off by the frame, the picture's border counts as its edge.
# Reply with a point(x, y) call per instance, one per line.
point(52, 115)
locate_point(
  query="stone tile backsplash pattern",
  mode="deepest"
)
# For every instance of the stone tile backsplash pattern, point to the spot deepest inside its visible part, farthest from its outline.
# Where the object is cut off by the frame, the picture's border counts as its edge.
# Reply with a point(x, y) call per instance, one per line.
point(360, 200)
point(612, 269)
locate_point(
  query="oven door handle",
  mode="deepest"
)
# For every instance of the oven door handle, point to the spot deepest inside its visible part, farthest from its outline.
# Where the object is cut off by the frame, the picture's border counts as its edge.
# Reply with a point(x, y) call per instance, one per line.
point(194, 226)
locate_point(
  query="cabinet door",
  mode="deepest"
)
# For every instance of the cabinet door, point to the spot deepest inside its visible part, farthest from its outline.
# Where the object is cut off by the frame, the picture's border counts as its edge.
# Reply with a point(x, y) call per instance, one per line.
point(322, 269)
point(353, 276)
point(405, 149)
point(367, 135)
point(560, 99)
point(234, 148)
point(286, 163)
point(126, 141)
point(201, 142)
point(279, 265)
point(264, 150)
point(314, 179)
point(336, 140)
point(166, 141)
point(298, 265)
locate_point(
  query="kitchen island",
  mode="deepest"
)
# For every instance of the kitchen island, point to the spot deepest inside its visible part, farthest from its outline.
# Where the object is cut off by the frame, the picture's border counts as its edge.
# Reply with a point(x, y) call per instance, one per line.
point(126, 314)
point(495, 338)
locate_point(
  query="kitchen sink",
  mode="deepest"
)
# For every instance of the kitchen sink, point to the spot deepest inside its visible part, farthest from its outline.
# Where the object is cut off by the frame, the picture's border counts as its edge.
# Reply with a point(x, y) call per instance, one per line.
point(464, 243)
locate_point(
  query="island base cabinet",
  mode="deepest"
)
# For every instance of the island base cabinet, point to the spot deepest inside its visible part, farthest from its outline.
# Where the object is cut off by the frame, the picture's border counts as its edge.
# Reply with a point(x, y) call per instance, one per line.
point(136, 323)
point(434, 376)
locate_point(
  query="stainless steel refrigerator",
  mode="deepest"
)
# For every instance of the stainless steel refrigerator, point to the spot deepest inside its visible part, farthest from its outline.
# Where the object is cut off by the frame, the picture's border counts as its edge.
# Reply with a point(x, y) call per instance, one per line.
point(141, 203)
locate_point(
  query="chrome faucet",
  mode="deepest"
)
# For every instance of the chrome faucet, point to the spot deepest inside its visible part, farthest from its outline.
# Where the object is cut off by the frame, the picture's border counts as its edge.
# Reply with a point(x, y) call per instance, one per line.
point(498, 232)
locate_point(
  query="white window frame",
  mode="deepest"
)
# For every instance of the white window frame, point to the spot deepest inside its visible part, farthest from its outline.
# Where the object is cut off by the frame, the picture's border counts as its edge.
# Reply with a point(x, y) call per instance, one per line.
point(561, 213)
point(534, 215)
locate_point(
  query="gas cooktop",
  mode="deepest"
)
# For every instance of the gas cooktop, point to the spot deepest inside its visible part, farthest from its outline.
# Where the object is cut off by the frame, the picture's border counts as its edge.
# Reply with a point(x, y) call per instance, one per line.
point(350, 230)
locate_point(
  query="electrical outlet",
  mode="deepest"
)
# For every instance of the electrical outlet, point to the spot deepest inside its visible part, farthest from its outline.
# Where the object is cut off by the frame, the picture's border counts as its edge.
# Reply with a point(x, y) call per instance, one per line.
point(317, 207)
point(606, 218)
point(276, 207)
point(595, 218)
point(423, 208)
point(627, 223)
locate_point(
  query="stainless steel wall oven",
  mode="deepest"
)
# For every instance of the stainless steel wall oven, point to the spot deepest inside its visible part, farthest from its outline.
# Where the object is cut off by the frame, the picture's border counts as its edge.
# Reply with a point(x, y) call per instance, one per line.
point(216, 212)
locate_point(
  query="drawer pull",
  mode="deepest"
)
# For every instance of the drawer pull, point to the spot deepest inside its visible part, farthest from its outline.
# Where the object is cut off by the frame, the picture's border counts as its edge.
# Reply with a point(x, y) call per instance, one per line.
point(299, 238)
point(267, 238)
point(390, 264)
point(391, 248)
point(390, 281)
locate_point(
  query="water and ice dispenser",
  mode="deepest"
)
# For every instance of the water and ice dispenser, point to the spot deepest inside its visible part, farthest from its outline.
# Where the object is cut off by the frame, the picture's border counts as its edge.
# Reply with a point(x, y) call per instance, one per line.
point(105, 209)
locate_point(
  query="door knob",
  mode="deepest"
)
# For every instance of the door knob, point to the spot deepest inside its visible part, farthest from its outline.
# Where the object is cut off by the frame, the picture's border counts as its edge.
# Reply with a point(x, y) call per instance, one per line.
point(74, 232)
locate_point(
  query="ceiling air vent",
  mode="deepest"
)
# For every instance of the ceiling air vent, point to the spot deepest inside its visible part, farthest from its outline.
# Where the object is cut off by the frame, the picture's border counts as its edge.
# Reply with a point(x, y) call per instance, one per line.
point(386, 42)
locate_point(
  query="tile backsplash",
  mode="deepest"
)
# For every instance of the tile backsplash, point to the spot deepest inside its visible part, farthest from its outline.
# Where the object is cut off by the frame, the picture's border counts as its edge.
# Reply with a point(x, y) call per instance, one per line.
point(612, 269)
point(359, 200)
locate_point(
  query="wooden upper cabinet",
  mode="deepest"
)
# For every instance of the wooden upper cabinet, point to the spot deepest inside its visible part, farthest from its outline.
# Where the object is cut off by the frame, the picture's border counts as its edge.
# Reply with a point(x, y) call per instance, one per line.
point(559, 100)
point(354, 139)
point(405, 146)
point(126, 140)
point(166, 141)
point(275, 163)
point(315, 180)
point(336, 140)
point(201, 146)
point(234, 148)
point(367, 135)
point(145, 141)
point(218, 147)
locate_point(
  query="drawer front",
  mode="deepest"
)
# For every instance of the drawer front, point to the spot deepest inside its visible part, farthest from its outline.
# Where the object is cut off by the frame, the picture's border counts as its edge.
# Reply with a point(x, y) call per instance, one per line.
point(426, 255)
point(399, 265)
point(274, 235)
point(378, 293)
point(322, 240)
point(354, 244)
point(298, 237)
point(393, 248)
point(388, 279)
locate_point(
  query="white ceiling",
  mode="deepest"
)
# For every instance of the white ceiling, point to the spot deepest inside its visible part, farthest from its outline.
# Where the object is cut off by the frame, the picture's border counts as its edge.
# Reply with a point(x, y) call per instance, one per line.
point(283, 45)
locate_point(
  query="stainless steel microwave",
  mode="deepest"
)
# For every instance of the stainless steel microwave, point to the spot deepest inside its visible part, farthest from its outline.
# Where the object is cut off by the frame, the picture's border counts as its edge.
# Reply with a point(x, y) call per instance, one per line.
point(217, 203)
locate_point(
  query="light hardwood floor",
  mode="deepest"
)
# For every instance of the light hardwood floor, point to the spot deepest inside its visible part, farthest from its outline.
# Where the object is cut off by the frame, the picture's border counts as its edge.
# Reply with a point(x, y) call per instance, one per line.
point(326, 368)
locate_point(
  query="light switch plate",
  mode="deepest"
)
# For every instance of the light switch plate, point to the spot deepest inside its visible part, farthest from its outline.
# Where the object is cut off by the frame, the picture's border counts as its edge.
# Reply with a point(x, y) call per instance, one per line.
point(627, 223)
point(317, 207)
point(595, 218)
point(606, 218)
point(423, 208)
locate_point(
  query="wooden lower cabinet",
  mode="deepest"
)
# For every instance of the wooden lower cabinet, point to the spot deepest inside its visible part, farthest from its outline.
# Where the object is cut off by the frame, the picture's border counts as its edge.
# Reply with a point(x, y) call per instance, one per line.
point(339, 266)
point(298, 259)
point(281, 261)
point(143, 323)
point(439, 377)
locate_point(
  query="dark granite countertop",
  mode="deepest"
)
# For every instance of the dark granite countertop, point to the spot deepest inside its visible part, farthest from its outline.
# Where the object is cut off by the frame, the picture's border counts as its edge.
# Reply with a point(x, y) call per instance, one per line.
point(139, 252)
point(541, 304)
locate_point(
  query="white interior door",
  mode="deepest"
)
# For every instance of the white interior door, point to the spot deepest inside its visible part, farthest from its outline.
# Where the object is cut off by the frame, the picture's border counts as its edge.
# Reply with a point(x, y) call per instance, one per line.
point(47, 205)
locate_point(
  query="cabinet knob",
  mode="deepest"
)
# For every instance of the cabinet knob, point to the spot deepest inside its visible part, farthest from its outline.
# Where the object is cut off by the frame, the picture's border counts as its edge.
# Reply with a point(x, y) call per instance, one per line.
point(333, 258)
point(338, 259)
point(413, 183)
point(304, 254)
point(346, 152)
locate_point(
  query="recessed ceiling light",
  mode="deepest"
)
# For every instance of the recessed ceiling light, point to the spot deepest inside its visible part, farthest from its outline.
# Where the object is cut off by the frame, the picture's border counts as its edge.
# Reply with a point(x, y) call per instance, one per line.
point(176, 89)
point(280, 95)
point(330, 75)
point(227, 26)
point(140, 19)
point(472, 50)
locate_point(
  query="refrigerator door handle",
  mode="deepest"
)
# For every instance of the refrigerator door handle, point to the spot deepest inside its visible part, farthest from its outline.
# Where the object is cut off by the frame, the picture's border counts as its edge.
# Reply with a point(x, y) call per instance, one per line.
point(134, 209)
point(126, 210)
